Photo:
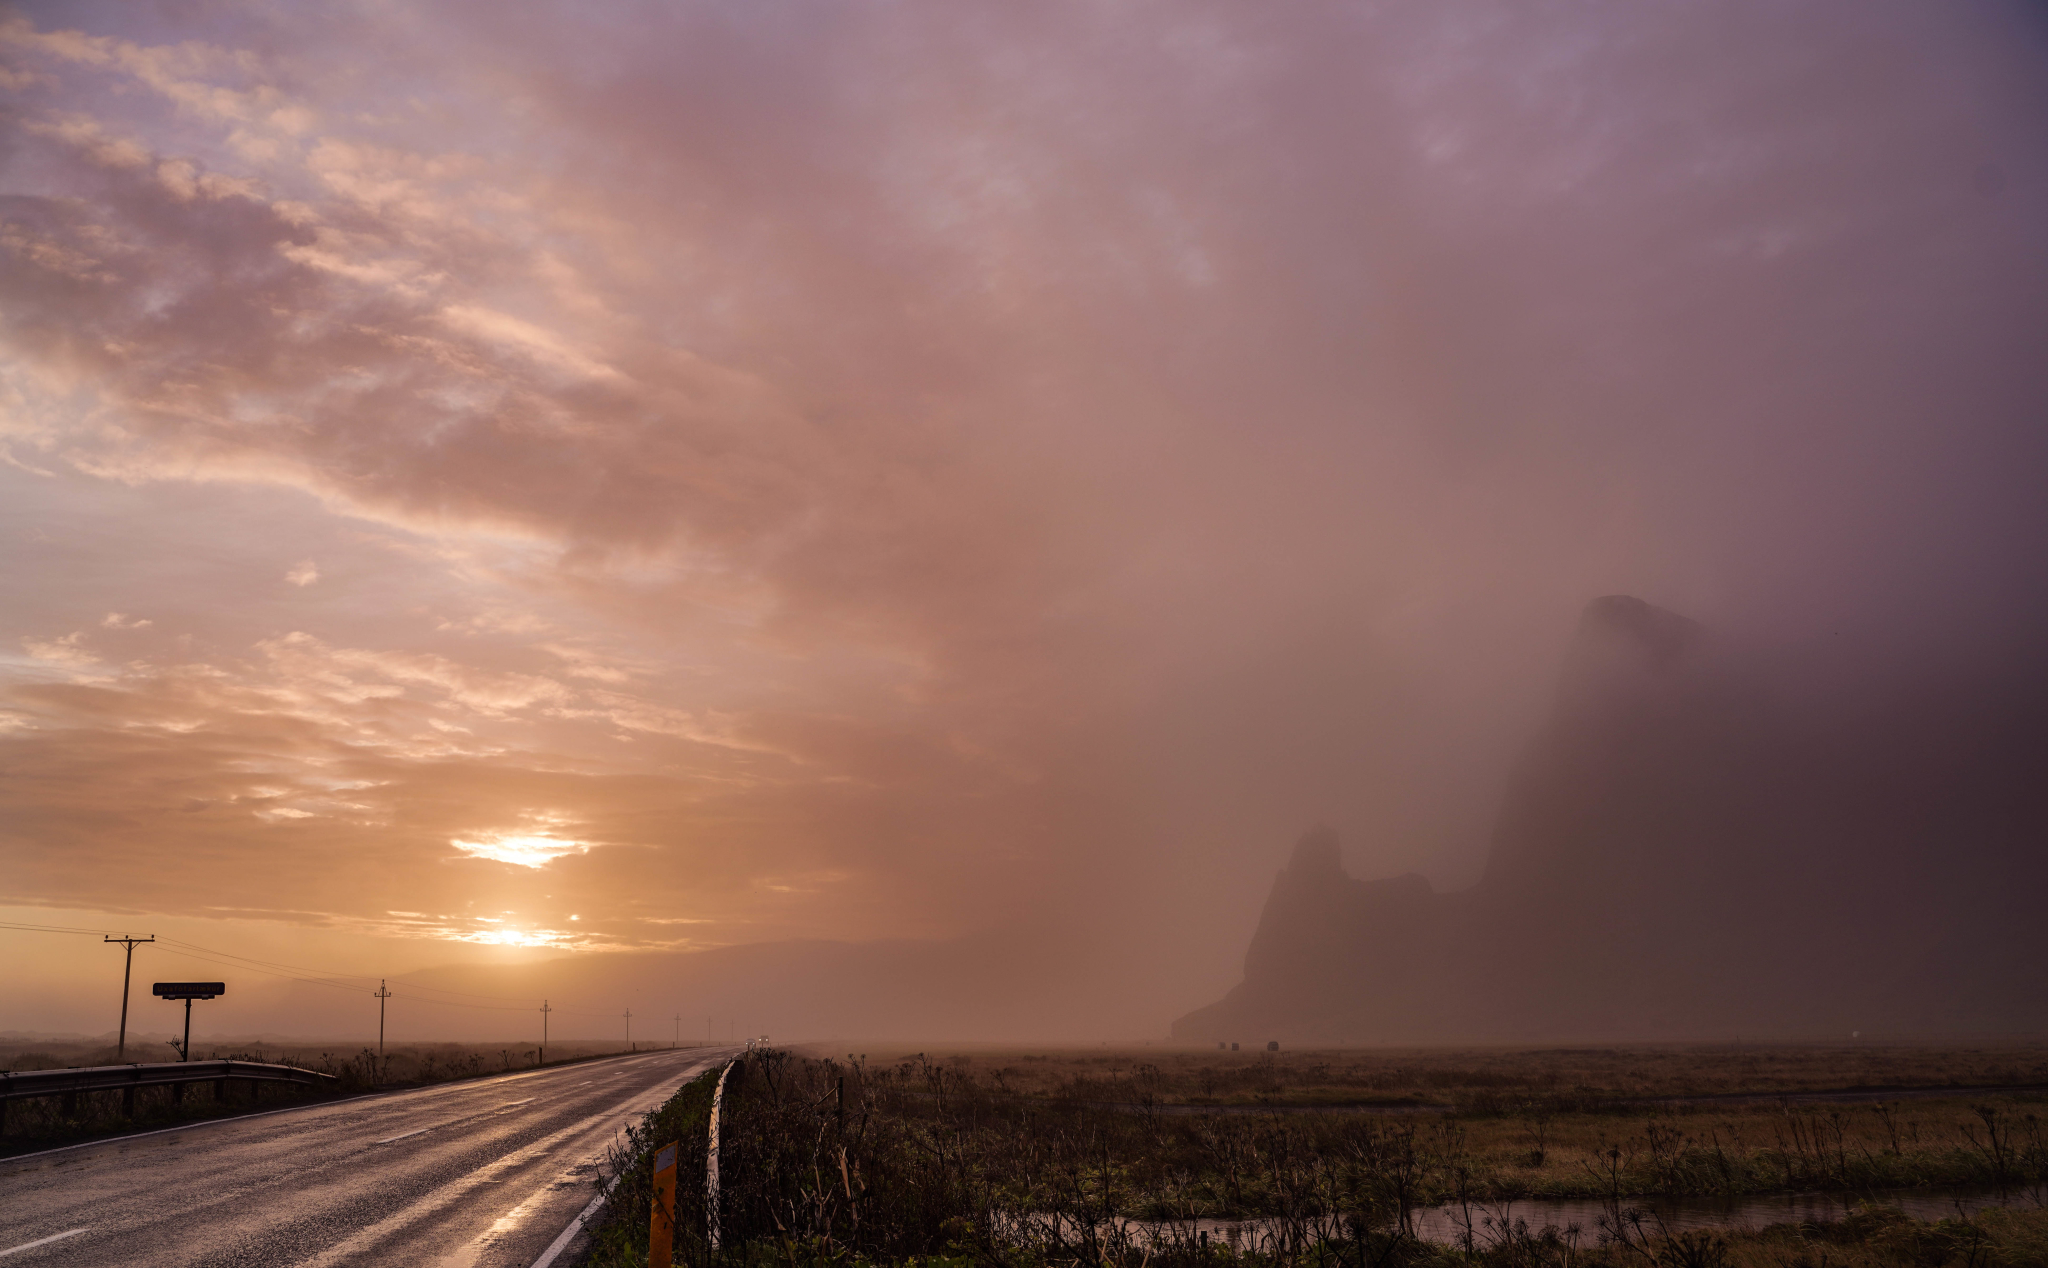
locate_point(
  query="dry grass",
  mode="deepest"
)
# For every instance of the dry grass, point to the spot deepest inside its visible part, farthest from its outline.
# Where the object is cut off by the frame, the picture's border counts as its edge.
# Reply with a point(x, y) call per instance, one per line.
point(1753, 1149)
point(939, 1161)
point(1881, 1238)
point(1578, 1122)
point(1471, 1079)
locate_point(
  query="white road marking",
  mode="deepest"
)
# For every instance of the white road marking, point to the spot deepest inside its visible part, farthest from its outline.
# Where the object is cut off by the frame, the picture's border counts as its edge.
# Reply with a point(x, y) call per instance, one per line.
point(54, 1237)
point(547, 1257)
point(366, 1238)
point(464, 1085)
point(625, 1110)
point(421, 1131)
point(513, 1220)
point(567, 1235)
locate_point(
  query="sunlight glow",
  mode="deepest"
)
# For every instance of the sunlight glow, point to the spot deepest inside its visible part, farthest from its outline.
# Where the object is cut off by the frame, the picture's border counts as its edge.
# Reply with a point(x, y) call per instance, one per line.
point(526, 851)
point(515, 938)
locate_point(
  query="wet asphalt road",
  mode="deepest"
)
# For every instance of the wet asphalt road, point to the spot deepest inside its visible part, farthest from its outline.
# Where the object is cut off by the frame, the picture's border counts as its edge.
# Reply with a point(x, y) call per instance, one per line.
point(482, 1174)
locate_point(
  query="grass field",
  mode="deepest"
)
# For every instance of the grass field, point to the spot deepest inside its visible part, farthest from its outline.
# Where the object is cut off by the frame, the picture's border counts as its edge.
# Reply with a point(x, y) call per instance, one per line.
point(1586, 1122)
point(1019, 1156)
point(1469, 1079)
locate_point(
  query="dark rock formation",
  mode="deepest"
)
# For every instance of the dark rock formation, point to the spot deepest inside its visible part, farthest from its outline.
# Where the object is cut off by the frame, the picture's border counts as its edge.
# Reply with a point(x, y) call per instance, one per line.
point(1678, 855)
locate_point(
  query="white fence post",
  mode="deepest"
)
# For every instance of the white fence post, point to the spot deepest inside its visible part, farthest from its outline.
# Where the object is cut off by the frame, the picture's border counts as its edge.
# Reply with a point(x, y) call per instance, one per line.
point(711, 1159)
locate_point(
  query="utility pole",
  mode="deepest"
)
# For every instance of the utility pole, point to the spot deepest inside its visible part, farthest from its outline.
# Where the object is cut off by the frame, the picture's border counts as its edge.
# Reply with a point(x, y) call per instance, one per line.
point(127, 969)
point(629, 1030)
point(679, 1032)
point(544, 1011)
point(382, 993)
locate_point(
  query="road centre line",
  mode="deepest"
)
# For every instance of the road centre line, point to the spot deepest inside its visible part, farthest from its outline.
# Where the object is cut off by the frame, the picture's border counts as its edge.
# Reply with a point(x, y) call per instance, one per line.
point(54, 1237)
point(407, 1135)
point(421, 1131)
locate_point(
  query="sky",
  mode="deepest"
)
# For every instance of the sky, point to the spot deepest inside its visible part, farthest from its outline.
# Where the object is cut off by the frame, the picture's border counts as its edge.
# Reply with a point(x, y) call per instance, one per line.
point(482, 478)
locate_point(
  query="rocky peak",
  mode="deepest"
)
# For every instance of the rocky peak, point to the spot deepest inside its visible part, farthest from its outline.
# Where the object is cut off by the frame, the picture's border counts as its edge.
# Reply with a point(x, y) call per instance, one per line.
point(1627, 652)
point(1316, 855)
point(1623, 622)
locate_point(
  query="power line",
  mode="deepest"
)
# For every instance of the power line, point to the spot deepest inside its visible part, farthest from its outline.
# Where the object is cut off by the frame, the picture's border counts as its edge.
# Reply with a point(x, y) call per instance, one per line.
point(244, 963)
point(514, 1003)
point(335, 981)
point(277, 968)
point(365, 978)
point(245, 966)
point(10, 924)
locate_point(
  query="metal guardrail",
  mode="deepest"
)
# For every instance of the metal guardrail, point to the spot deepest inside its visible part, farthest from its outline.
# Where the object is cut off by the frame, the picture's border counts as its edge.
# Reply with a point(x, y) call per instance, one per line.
point(113, 1078)
point(21, 1084)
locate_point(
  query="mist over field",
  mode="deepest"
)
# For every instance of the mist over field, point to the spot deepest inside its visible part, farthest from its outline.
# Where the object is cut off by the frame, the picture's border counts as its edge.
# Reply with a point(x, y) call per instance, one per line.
point(895, 519)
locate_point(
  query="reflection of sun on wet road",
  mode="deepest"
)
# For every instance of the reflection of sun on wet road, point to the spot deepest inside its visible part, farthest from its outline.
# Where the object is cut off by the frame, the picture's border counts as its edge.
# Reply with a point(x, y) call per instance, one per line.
point(483, 1174)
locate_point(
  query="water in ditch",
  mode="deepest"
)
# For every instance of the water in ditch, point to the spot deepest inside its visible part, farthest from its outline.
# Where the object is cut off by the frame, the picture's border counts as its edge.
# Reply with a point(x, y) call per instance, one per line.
point(1486, 1223)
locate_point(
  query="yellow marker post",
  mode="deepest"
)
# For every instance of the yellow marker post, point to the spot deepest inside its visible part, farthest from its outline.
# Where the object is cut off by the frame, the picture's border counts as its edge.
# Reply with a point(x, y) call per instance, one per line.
point(661, 1221)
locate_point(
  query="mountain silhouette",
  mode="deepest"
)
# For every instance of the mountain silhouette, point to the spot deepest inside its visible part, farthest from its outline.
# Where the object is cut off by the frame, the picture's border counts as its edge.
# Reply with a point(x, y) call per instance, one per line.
point(1681, 853)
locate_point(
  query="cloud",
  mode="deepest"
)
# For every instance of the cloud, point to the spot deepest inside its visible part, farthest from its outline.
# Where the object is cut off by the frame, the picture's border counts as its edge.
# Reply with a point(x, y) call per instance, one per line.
point(521, 850)
point(65, 650)
point(584, 663)
point(929, 466)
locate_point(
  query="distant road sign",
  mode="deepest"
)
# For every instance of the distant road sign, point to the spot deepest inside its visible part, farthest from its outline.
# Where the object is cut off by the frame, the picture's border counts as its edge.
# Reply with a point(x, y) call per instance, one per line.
point(188, 990)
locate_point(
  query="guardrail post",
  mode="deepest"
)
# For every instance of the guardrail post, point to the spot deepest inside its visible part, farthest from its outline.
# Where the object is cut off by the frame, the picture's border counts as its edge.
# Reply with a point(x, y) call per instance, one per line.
point(661, 1219)
point(128, 1102)
point(71, 1105)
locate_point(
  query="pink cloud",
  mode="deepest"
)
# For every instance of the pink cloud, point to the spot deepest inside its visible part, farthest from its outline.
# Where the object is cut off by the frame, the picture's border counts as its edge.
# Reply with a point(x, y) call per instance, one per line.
point(920, 467)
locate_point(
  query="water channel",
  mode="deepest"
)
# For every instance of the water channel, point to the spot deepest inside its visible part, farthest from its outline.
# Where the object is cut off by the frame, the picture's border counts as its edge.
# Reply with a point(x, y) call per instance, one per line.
point(1450, 1224)
point(1486, 1223)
